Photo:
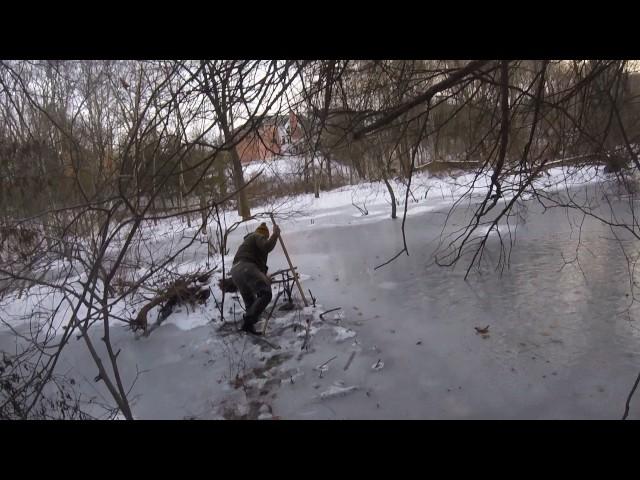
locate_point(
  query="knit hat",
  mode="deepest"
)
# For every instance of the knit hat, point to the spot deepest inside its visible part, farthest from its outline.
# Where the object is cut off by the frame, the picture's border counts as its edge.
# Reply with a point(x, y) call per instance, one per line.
point(263, 230)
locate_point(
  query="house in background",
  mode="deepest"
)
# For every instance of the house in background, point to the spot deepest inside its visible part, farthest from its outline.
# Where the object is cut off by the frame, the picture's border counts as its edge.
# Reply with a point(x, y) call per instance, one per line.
point(277, 135)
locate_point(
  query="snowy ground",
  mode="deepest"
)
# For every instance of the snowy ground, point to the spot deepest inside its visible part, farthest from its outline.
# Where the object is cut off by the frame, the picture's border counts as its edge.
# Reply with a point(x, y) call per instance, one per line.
point(562, 341)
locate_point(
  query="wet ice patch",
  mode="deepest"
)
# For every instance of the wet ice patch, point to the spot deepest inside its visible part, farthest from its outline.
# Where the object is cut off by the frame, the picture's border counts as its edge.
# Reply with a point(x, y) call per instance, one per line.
point(337, 391)
point(343, 334)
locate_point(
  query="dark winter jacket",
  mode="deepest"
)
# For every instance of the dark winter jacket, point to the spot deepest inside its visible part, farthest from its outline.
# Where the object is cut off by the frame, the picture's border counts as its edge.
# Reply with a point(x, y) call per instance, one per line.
point(255, 249)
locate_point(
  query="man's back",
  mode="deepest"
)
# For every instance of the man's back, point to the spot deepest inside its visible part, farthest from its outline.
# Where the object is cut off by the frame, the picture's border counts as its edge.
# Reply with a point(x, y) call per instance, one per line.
point(255, 249)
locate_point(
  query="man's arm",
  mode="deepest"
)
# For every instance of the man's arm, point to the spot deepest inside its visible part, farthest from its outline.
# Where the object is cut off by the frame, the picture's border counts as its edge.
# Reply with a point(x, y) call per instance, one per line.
point(268, 245)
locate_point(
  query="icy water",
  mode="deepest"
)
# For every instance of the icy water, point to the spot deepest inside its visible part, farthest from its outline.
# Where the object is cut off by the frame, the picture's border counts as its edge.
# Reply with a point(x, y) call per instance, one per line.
point(562, 342)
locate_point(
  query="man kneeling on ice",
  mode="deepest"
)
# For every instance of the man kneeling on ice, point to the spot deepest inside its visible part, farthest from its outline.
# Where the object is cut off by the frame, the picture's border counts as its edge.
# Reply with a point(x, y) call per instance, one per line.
point(249, 273)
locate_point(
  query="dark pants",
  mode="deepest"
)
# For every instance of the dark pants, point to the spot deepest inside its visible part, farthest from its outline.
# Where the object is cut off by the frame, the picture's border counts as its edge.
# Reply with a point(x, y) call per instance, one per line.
point(255, 288)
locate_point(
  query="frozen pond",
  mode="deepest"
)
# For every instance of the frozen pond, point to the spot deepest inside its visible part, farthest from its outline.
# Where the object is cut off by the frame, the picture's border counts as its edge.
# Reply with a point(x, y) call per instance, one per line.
point(561, 343)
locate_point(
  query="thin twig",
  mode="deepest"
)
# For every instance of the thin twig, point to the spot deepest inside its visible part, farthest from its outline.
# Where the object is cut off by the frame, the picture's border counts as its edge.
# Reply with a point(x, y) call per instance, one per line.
point(329, 311)
point(327, 362)
point(353, 354)
point(313, 299)
point(633, 390)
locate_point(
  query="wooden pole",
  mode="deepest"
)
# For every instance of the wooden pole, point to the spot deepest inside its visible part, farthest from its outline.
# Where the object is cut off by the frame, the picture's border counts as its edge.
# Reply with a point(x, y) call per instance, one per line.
point(295, 274)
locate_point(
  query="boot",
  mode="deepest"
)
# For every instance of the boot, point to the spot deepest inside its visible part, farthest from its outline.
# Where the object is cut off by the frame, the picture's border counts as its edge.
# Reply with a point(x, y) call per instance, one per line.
point(249, 327)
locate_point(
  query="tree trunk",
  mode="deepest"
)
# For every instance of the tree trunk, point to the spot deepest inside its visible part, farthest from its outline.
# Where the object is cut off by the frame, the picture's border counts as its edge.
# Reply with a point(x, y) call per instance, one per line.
point(384, 173)
point(203, 204)
point(316, 179)
point(405, 158)
point(224, 112)
point(238, 180)
point(221, 177)
point(181, 197)
point(163, 201)
point(393, 196)
point(155, 210)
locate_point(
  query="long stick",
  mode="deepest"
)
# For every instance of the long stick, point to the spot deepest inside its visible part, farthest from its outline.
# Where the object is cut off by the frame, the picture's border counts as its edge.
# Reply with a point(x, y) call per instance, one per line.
point(295, 274)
